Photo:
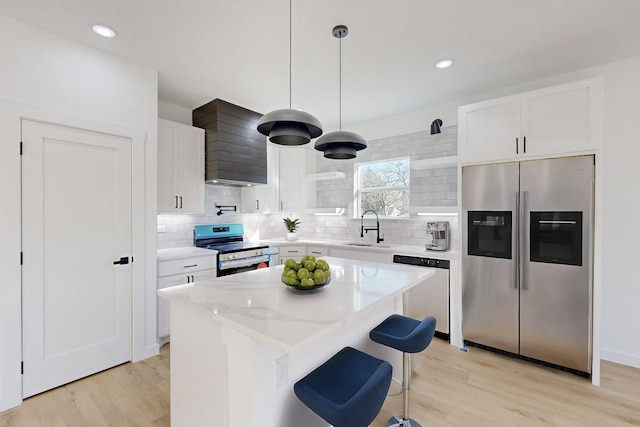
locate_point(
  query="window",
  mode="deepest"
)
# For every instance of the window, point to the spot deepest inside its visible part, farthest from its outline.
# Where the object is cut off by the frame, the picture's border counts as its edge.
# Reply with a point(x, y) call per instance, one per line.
point(383, 187)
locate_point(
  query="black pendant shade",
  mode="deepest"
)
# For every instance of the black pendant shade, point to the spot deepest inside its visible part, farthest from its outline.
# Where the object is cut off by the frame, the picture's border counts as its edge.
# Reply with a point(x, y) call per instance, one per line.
point(289, 127)
point(341, 145)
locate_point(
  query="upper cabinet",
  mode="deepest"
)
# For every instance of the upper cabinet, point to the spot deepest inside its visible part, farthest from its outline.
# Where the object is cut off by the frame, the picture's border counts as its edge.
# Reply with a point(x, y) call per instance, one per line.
point(263, 198)
point(180, 168)
point(296, 192)
point(558, 120)
point(287, 189)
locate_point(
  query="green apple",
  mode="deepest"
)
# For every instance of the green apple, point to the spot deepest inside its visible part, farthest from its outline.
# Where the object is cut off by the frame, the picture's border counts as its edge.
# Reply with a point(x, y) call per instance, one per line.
point(306, 283)
point(303, 273)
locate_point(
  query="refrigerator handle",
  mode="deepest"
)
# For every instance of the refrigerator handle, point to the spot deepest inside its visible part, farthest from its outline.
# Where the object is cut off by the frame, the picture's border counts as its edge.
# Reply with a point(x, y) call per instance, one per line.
point(516, 282)
point(521, 240)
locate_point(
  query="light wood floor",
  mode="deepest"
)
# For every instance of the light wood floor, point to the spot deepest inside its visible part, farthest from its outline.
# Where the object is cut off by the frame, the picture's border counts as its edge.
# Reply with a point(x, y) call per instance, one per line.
point(449, 388)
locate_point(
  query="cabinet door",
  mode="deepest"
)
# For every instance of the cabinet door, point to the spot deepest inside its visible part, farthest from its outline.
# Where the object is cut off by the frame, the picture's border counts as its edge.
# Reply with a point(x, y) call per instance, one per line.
point(362, 255)
point(295, 191)
point(191, 170)
point(169, 281)
point(167, 168)
point(489, 130)
point(180, 168)
point(263, 198)
point(563, 119)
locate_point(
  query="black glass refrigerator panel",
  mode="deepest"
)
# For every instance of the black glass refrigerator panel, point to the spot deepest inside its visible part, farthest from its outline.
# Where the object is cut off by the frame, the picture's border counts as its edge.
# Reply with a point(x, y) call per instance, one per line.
point(489, 234)
point(556, 237)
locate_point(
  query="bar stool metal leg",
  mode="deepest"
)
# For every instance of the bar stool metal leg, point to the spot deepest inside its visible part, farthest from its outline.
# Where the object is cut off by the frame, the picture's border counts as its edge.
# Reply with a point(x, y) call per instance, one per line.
point(409, 336)
point(405, 421)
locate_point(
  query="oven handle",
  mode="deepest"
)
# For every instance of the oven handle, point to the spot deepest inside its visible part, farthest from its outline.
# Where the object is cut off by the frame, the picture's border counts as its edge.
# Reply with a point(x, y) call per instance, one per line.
point(243, 262)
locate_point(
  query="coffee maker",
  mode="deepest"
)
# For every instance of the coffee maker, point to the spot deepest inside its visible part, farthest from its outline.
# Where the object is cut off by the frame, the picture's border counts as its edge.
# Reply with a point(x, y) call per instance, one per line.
point(437, 236)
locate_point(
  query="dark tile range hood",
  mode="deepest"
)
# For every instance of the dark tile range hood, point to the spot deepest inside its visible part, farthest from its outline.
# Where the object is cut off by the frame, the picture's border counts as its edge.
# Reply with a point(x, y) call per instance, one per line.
point(235, 152)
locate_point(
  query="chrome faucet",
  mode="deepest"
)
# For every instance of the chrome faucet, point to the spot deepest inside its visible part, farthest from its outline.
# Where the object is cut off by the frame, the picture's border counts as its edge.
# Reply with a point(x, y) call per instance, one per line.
point(364, 229)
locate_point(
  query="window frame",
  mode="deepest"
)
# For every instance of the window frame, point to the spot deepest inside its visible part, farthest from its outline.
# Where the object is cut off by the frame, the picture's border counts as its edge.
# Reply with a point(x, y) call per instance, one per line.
point(358, 191)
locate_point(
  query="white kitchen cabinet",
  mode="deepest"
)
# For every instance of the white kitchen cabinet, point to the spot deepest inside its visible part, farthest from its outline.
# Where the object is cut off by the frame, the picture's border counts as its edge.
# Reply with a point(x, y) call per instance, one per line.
point(295, 191)
point(180, 168)
point(173, 272)
point(289, 251)
point(263, 198)
point(558, 120)
point(318, 251)
point(361, 254)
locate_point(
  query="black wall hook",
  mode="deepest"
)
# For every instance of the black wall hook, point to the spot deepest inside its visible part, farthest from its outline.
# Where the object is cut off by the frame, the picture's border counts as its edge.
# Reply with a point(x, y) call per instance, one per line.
point(435, 126)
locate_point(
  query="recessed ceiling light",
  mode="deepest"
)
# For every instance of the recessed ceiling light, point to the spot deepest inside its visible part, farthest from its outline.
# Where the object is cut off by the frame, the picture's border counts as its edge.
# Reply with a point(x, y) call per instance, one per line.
point(104, 31)
point(445, 63)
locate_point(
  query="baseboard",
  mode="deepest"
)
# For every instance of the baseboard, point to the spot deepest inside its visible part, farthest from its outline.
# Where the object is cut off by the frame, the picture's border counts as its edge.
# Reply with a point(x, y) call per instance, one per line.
point(150, 351)
point(620, 357)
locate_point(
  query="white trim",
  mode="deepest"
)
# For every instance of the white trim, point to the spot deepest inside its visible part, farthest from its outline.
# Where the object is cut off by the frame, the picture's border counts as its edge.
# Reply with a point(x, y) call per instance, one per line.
point(435, 163)
point(614, 356)
point(325, 176)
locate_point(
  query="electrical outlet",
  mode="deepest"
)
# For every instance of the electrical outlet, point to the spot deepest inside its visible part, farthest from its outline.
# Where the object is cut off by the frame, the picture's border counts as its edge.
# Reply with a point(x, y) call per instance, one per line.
point(282, 371)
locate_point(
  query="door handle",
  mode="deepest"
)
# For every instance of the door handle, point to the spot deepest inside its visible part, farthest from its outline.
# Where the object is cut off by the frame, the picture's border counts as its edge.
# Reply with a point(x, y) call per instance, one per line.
point(176, 202)
point(122, 261)
point(180, 202)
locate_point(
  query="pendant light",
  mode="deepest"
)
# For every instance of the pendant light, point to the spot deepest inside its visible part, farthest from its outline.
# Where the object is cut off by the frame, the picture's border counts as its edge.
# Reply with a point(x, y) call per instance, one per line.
point(288, 126)
point(342, 144)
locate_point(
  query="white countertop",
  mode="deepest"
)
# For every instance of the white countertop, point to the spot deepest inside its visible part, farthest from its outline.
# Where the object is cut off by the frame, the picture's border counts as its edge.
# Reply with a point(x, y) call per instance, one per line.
point(183, 252)
point(383, 248)
point(258, 304)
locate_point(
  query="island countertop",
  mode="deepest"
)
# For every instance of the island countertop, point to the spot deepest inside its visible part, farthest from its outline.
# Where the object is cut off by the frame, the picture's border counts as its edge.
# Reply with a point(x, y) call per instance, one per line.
point(259, 305)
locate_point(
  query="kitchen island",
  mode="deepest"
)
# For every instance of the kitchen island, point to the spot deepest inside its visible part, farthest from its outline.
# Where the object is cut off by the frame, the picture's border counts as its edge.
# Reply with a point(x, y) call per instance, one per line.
point(240, 342)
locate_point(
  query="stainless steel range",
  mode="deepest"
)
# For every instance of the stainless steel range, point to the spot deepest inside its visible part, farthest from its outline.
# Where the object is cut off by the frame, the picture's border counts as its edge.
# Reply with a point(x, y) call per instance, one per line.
point(234, 254)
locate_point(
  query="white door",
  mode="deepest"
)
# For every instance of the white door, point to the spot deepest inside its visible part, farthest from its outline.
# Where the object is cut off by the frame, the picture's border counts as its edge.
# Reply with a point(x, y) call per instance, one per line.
point(76, 222)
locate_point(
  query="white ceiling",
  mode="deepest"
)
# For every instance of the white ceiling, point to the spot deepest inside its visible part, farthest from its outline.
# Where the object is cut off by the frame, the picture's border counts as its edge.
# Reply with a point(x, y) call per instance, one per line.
point(238, 50)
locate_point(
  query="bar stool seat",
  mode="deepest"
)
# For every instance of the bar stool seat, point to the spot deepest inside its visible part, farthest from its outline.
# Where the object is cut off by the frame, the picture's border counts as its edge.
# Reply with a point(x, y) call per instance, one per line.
point(409, 336)
point(348, 390)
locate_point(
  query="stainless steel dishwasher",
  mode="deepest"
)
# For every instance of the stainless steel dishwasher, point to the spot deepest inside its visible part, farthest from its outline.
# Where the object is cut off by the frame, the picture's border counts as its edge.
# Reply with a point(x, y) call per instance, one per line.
point(431, 297)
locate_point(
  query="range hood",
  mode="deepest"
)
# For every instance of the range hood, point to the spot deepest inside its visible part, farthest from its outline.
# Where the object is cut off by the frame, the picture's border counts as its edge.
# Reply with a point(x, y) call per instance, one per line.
point(235, 152)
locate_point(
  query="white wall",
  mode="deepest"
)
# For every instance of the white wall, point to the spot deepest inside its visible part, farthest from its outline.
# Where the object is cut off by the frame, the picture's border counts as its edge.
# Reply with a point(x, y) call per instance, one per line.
point(620, 321)
point(46, 77)
point(175, 113)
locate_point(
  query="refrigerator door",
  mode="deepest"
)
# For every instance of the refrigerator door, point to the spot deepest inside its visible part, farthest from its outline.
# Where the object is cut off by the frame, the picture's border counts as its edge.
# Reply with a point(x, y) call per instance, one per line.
point(555, 295)
point(489, 283)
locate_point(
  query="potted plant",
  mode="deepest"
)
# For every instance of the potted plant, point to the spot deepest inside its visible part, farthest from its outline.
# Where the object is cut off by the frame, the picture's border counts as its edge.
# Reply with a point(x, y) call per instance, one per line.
point(292, 225)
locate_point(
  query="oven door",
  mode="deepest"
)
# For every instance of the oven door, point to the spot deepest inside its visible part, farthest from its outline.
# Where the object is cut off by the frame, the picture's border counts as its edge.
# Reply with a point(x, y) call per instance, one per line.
point(240, 265)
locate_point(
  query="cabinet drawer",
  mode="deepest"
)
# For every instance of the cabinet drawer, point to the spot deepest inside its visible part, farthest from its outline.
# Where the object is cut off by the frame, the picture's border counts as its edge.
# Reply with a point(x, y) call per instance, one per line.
point(317, 251)
point(186, 265)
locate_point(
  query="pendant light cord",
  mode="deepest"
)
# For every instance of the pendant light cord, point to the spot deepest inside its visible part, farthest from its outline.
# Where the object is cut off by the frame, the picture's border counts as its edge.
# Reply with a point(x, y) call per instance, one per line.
point(340, 88)
point(290, 50)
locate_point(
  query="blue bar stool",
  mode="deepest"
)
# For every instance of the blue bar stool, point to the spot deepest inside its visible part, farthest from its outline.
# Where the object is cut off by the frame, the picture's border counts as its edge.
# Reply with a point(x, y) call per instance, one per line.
point(409, 336)
point(347, 390)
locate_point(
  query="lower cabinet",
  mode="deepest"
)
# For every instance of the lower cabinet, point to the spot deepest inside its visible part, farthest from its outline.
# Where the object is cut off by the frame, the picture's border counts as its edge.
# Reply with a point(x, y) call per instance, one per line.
point(362, 255)
point(317, 251)
point(174, 272)
point(298, 251)
point(289, 252)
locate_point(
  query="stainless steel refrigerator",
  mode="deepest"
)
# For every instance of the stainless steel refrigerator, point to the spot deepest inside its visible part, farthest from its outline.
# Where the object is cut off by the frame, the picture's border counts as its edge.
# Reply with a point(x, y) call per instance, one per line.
point(528, 259)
